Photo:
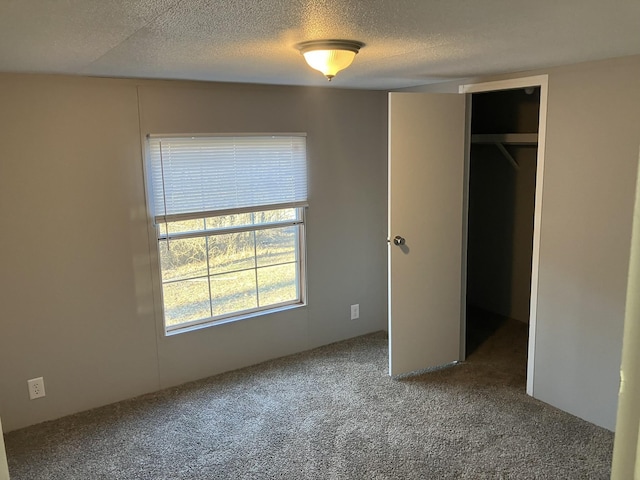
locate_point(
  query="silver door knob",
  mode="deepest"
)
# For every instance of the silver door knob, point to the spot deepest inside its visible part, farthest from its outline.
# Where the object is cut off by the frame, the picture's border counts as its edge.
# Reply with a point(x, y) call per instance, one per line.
point(398, 240)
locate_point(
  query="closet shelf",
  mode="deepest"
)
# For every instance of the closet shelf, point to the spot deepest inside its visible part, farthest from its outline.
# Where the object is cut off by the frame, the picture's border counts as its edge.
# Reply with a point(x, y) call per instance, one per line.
point(506, 138)
point(502, 139)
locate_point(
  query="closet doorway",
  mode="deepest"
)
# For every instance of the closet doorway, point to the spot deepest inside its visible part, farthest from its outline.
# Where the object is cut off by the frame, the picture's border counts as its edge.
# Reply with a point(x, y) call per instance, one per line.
point(504, 189)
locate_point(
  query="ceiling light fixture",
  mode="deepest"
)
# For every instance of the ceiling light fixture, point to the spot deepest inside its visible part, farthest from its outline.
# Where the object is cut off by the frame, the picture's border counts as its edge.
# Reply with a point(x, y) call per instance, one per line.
point(329, 56)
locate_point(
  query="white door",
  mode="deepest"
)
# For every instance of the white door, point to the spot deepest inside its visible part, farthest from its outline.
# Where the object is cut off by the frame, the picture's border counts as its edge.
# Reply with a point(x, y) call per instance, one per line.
point(426, 183)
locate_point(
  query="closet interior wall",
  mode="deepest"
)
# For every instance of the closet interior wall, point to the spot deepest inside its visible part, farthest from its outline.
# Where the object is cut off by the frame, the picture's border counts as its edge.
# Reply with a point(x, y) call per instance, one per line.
point(501, 205)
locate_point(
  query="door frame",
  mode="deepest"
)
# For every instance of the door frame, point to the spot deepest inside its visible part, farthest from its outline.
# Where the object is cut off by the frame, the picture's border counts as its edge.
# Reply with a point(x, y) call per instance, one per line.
point(541, 81)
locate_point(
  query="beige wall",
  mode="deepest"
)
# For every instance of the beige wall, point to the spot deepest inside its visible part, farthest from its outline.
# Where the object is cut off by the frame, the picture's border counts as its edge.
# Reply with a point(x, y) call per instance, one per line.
point(501, 205)
point(76, 296)
point(76, 302)
point(501, 217)
point(593, 133)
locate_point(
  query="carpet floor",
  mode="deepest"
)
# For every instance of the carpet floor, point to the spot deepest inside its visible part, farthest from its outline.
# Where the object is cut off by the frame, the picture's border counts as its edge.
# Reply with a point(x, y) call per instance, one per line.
point(330, 413)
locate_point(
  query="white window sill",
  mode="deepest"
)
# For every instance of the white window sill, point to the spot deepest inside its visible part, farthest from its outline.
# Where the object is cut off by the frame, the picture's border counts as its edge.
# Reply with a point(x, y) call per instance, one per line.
point(215, 323)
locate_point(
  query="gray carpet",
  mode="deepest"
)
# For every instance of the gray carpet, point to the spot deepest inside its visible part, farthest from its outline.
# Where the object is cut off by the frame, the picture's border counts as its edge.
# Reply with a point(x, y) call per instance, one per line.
point(331, 413)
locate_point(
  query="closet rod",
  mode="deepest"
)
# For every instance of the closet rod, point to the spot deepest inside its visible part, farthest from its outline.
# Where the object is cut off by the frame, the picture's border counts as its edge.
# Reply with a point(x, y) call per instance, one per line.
point(506, 138)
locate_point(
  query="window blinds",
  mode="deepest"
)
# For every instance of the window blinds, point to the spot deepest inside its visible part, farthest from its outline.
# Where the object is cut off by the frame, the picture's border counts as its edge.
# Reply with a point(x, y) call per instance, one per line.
point(216, 174)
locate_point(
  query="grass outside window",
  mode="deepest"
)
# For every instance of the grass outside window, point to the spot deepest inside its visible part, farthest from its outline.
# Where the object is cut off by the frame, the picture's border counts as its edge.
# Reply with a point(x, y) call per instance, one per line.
point(210, 275)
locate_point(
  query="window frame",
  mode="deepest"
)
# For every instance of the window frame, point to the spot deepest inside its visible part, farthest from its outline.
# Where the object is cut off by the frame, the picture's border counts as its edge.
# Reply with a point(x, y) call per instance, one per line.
point(158, 226)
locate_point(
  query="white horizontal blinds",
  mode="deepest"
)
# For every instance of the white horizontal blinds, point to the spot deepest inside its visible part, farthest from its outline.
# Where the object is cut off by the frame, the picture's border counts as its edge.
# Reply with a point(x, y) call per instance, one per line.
point(210, 174)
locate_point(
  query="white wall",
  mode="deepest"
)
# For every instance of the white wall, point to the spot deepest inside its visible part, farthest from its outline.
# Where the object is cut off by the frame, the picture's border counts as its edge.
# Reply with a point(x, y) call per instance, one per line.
point(593, 133)
point(76, 296)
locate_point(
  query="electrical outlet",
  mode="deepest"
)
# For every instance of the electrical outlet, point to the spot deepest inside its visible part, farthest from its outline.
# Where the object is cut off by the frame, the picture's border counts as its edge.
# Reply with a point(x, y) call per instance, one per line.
point(36, 388)
point(355, 311)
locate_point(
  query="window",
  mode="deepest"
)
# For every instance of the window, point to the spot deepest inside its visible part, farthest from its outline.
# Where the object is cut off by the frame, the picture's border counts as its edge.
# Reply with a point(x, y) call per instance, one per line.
point(229, 219)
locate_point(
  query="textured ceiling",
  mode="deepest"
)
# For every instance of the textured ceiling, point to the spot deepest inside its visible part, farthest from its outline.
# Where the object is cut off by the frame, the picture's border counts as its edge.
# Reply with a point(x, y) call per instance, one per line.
point(408, 42)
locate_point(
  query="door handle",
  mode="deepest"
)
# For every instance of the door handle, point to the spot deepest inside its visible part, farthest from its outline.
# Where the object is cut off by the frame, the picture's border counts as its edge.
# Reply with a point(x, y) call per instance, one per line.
point(398, 240)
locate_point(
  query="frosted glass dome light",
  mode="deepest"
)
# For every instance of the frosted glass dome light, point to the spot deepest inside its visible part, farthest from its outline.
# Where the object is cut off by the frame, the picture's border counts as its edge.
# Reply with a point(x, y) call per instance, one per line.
point(329, 56)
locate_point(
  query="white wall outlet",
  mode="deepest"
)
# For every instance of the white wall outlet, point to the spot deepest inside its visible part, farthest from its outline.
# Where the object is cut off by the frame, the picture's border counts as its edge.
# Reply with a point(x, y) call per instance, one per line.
point(355, 311)
point(36, 388)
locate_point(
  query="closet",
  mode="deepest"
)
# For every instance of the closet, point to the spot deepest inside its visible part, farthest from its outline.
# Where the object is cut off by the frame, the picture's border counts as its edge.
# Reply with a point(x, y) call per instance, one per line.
point(501, 201)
